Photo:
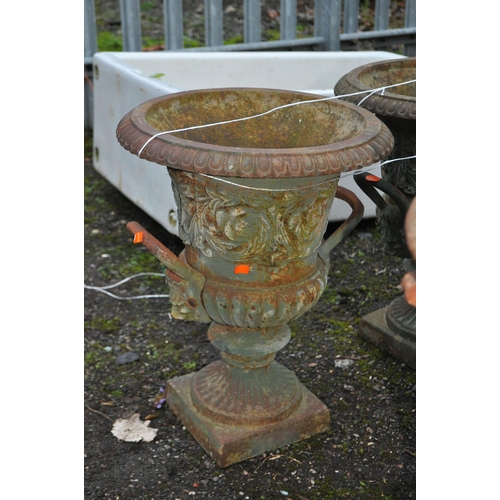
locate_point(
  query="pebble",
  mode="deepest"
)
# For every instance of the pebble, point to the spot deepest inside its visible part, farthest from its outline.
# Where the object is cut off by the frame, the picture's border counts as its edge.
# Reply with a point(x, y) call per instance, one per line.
point(343, 363)
point(127, 357)
point(365, 236)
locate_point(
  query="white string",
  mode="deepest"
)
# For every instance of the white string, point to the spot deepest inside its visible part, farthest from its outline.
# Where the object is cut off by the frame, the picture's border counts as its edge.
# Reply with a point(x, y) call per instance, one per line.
point(372, 91)
point(221, 179)
point(104, 289)
point(347, 174)
point(343, 176)
point(398, 159)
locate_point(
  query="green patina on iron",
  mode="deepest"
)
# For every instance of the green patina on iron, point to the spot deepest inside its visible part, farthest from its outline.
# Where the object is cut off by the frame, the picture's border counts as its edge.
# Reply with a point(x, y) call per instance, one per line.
point(252, 195)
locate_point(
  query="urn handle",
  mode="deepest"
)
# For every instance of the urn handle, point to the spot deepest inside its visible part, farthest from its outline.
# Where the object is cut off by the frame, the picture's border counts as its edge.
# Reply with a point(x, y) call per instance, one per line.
point(186, 283)
point(393, 214)
point(349, 224)
point(368, 183)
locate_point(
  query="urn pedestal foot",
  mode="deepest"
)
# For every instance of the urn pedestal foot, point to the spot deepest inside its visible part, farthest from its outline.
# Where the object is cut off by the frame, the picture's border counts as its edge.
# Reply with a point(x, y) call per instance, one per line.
point(229, 444)
point(380, 328)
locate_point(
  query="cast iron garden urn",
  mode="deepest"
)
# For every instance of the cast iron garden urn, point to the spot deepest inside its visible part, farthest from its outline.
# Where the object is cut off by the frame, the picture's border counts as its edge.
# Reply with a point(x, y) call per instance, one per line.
point(394, 327)
point(253, 198)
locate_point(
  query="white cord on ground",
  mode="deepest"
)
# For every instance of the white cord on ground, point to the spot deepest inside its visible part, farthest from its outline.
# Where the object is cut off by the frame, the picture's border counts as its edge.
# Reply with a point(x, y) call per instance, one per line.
point(104, 289)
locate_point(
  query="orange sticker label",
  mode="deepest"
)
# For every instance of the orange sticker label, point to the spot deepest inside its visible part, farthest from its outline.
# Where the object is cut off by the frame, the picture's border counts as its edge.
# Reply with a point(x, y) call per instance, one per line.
point(242, 269)
point(138, 237)
point(372, 178)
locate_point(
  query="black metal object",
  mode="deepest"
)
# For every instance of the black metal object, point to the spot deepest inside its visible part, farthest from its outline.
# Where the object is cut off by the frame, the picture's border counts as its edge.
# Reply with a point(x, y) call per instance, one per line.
point(393, 213)
point(392, 328)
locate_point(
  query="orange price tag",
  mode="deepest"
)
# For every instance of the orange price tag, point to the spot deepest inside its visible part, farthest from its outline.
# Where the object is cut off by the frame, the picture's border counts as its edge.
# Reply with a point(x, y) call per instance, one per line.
point(138, 237)
point(242, 269)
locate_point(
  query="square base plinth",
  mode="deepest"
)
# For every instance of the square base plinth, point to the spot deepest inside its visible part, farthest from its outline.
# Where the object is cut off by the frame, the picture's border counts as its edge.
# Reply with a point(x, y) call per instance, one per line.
point(374, 327)
point(230, 444)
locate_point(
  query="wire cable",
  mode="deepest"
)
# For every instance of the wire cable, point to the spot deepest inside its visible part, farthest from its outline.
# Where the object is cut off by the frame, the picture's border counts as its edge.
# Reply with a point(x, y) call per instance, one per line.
point(104, 289)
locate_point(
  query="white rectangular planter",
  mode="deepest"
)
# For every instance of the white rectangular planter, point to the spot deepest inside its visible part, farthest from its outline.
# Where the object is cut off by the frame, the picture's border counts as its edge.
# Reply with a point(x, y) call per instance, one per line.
point(123, 80)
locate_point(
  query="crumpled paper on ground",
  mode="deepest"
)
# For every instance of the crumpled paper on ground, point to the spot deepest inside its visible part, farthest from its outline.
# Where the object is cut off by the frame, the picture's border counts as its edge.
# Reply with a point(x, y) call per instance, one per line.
point(133, 429)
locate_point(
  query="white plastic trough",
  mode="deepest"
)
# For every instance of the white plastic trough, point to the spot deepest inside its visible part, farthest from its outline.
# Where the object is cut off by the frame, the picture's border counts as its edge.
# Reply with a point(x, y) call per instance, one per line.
point(123, 80)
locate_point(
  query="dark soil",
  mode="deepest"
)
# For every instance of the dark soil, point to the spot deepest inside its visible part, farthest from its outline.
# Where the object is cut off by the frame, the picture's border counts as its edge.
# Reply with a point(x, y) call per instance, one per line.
point(369, 452)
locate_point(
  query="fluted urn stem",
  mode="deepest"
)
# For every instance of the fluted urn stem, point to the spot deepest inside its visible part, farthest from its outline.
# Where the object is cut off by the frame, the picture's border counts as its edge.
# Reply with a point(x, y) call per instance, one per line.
point(247, 387)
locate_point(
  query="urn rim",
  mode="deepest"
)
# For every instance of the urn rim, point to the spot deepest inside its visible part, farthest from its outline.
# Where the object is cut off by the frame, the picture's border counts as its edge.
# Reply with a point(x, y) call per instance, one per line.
point(387, 72)
point(372, 143)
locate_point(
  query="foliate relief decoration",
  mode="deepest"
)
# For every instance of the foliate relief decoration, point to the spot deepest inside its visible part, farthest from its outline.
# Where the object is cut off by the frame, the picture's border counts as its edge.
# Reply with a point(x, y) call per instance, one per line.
point(255, 225)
